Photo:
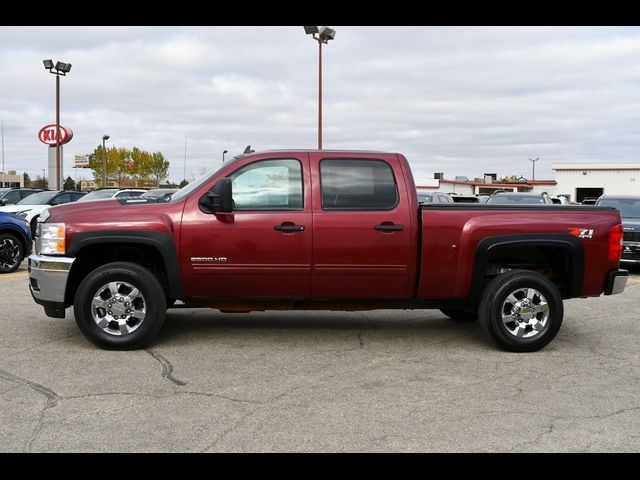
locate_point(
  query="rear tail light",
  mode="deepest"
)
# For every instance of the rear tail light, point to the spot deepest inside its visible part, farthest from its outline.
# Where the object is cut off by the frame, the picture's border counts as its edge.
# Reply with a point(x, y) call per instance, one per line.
point(615, 243)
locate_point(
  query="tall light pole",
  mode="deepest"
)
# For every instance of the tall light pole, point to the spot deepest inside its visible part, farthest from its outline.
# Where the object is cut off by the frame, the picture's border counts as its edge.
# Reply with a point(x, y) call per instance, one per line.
point(184, 171)
point(223, 154)
point(104, 160)
point(322, 35)
point(3, 177)
point(44, 179)
point(61, 69)
point(533, 161)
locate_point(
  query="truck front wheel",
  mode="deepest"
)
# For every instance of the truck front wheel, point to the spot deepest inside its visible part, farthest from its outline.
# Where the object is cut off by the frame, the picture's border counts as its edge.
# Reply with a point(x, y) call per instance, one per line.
point(522, 310)
point(120, 306)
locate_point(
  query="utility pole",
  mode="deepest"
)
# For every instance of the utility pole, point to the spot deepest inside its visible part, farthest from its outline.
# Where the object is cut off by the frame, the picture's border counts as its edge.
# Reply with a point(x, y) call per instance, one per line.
point(3, 179)
point(533, 161)
point(184, 172)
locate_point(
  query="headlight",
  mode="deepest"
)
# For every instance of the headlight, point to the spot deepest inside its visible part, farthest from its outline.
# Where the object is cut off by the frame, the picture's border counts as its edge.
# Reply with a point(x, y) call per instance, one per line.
point(52, 238)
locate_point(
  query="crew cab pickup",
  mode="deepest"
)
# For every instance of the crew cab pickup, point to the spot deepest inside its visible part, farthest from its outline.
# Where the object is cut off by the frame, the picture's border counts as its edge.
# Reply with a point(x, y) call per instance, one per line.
point(320, 230)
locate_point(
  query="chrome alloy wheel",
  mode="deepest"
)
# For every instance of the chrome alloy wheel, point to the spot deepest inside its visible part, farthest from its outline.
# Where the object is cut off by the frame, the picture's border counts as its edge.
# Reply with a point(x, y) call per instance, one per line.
point(525, 313)
point(118, 308)
point(9, 254)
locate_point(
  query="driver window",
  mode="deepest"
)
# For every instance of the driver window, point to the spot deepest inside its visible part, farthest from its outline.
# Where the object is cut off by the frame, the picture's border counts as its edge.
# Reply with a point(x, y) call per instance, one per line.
point(268, 185)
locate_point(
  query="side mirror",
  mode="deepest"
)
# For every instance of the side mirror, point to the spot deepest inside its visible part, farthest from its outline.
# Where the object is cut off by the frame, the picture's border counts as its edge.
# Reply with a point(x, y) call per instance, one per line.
point(3, 202)
point(219, 199)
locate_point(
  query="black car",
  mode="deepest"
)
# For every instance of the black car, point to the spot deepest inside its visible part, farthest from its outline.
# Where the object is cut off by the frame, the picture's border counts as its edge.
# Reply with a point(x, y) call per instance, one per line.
point(11, 196)
point(629, 207)
point(161, 195)
point(433, 197)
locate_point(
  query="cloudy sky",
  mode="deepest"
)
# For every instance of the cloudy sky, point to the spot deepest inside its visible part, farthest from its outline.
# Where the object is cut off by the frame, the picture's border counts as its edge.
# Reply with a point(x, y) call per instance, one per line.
point(459, 100)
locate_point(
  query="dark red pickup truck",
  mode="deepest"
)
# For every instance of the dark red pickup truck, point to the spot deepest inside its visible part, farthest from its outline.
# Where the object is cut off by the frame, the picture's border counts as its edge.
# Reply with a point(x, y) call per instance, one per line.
point(320, 230)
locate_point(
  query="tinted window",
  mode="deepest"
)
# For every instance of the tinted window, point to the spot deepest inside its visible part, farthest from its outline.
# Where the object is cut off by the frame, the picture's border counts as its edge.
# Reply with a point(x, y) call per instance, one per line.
point(12, 197)
point(26, 193)
point(357, 185)
point(128, 194)
point(268, 185)
point(41, 198)
point(629, 207)
point(64, 198)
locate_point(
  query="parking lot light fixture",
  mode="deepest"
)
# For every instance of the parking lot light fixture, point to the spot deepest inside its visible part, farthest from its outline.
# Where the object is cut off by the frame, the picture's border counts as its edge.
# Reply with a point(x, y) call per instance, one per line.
point(60, 69)
point(322, 35)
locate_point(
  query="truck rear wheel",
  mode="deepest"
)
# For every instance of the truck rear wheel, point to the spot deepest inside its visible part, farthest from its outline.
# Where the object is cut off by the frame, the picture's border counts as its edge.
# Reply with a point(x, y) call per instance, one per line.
point(120, 306)
point(460, 315)
point(522, 310)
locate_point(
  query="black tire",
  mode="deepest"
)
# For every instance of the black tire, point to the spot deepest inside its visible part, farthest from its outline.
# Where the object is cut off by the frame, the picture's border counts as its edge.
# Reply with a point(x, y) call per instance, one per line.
point(152, 299)
point(11, 253)
point(494, 303)
point(460, 315)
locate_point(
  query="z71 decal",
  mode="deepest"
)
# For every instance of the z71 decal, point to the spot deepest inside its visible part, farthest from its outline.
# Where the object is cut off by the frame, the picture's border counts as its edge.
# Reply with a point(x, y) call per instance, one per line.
point(582, 232)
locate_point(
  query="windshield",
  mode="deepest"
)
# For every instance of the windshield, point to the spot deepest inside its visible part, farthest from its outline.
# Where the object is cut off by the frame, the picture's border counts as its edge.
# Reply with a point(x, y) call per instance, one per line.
point(97, 195)
point(41, 198)
point(629, 207)
point(187, 189)
point(515, 200)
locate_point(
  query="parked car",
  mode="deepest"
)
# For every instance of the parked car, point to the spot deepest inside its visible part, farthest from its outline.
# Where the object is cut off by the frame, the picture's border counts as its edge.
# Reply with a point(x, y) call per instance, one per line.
point(433, 197)
point(464, 198)
point(11, 196)
point(349, 236)
point(31, 207)
point(629, 208)
point(159, 194)
point(519, 198)
point(589, 201)
point(106, 193)
point(15, 241)
point(560, 200)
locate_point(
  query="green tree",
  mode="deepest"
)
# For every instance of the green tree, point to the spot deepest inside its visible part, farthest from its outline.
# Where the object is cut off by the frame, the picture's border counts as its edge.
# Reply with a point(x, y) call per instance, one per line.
point(27, 179)
point(96, 165)
point(183, 183)
point(159, 167)
point(69, 184)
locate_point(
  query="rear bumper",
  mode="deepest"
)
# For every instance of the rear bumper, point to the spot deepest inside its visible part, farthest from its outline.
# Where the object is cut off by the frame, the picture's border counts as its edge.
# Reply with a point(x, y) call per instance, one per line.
point(48, 282)
point(616, 282)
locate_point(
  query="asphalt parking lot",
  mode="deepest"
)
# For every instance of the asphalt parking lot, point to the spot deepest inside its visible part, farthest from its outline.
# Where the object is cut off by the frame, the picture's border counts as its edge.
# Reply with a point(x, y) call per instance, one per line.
point(320, 381)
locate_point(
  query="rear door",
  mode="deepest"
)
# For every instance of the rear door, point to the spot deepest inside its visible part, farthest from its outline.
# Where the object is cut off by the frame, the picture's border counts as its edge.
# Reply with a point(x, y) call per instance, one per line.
point(361, 227)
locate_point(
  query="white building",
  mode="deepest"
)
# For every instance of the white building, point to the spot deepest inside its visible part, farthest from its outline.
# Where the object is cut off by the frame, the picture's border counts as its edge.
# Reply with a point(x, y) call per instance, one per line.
point(584, 180)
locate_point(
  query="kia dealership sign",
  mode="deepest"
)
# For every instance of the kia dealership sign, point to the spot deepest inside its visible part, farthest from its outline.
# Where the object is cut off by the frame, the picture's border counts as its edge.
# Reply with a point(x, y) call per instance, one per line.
point(47, 135)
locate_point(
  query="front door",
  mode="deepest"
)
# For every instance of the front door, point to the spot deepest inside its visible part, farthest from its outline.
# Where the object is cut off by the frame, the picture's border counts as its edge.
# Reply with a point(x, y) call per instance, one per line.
point(263, 248)
point(362, 228)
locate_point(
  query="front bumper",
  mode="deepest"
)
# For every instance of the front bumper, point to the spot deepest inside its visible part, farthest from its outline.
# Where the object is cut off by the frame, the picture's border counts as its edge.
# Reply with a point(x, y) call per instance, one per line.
point(48, 282)
point(616, 282)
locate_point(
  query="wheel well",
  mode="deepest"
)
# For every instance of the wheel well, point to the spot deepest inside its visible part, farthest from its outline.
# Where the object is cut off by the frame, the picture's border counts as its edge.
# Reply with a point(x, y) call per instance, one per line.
point(554, 262)
point(93, 256)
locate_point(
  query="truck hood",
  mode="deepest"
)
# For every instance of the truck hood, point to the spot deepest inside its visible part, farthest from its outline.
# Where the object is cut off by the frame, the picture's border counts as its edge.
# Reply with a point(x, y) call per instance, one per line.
point(110, 214)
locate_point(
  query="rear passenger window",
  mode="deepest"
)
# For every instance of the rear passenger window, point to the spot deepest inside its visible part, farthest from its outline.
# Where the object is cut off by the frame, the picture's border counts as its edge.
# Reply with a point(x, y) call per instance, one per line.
point(357, 185)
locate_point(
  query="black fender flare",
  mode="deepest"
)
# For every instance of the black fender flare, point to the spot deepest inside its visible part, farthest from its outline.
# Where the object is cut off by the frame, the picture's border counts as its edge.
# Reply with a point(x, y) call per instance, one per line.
point(567, 242)
point(161, 241)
